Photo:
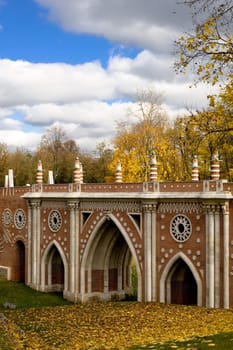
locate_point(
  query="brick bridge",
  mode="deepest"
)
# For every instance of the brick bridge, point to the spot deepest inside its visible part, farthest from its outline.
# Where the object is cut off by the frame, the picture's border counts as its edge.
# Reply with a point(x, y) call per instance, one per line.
point(85, 239)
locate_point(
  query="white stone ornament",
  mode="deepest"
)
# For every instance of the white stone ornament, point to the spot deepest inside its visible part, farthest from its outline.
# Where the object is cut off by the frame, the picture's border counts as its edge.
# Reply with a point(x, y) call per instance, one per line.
point(55, 220)
point(6, 217)
point(20, 219)
point(180, 228)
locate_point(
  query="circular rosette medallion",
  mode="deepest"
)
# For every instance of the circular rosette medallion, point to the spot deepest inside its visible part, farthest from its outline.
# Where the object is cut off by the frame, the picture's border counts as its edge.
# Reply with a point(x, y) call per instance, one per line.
point(55, 220)
point(20, 219)
point(180, 228)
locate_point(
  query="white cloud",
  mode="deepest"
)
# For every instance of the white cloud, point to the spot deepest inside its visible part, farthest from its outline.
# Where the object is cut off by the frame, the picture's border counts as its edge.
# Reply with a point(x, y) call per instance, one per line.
point(145, 65)
point(24, 82)
point(79, 96)
point(87, 120)
point(10, 124)
point(17, 138)
point(88, 113)
point(86, 99)
point(152, 24)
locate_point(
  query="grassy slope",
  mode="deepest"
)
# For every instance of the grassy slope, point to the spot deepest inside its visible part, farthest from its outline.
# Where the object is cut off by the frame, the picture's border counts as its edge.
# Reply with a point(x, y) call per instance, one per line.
point(23, 296)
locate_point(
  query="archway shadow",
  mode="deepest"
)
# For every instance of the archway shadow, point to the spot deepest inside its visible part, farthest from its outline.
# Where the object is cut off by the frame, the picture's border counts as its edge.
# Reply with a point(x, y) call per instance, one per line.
point(20, 262)
point(183, 285)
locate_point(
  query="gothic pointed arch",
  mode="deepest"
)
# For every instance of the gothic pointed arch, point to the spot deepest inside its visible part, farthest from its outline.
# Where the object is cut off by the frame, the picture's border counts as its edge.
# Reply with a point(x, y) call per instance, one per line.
point(104, 260)
point(54, 268)
point(180, 269)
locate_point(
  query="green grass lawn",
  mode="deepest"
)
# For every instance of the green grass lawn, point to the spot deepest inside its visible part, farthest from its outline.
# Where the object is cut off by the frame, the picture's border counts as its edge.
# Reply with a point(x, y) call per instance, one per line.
point(223, 341)
point(24, 297)
point(50, 322)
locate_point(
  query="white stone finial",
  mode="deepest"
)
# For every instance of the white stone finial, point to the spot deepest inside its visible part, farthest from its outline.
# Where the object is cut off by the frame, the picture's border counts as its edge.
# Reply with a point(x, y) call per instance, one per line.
point(6, 181)
point(195, 169)
point(215, 167)
point(81, 173)
point(50, 177)
point(153, 168)
point(10, 178)
point(39, 173)
point(77, 171)
point(118, 174)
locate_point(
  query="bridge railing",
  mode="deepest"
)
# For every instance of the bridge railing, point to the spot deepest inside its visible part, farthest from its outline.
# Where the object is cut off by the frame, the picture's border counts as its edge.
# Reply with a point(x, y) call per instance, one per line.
point(17, 191)
point(140, 187)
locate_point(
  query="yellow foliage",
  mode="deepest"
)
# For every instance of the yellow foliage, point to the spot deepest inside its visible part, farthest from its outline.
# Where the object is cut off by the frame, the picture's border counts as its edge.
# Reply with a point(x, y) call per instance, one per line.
point(115, 325)
point(209, 48)
point(134, 143)
point(202, 134)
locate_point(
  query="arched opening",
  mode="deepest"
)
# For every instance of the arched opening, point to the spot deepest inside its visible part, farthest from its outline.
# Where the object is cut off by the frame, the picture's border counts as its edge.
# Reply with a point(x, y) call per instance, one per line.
point(54, 271)
point(20, 262)
point(57, 269)
point(107, 265)
point(183, 286)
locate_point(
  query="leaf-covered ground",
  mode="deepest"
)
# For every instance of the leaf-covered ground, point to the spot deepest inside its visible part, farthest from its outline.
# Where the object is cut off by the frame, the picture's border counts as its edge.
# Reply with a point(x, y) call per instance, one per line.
point(112, 325)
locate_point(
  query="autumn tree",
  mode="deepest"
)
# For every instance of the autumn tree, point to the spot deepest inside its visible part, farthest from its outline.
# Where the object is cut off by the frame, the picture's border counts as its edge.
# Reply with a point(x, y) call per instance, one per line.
point(151, 123)
point(126, 151)
point(184, 140)
point(24, 167)
point(217, 126)
point(196, 134)
point(96, 164)
point(58, 154)
point(4, 162)
point(135, 142)
point(103, 157)
point(209, 50)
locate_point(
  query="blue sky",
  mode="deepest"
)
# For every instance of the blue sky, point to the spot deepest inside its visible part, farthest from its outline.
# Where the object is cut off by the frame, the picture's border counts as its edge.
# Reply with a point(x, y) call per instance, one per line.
point(28, 35)
point(79, 64)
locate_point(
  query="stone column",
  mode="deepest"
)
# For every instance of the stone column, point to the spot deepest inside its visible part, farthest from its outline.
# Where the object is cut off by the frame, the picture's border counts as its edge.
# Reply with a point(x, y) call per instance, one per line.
point(150, 252)
point(77, 231)
point(147, 251)
point(210, 260)
point(29, 256)
point(217, 257)
point(211, 257)
point(74, 250)
point(207, 256)
point(226, 256)
point(35, 243)
point(153, 253)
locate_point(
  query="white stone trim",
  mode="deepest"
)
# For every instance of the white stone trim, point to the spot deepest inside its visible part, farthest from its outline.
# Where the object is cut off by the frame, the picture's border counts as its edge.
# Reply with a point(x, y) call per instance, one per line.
point(217, 258)
point(226, 256)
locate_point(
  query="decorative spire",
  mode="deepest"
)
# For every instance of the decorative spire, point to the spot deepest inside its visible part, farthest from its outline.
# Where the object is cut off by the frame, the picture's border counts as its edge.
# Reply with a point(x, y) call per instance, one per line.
point(77, 171)
point(81, 173)
point(215, 167)
point(153, 168)
point(118, 175)
point(195, 169)
point(39, 173)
